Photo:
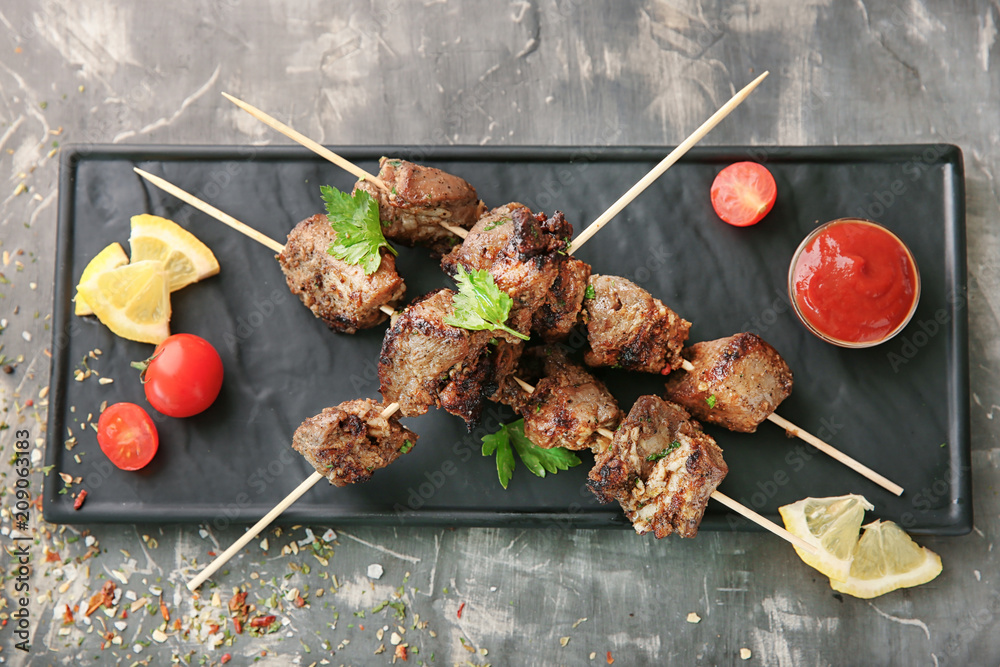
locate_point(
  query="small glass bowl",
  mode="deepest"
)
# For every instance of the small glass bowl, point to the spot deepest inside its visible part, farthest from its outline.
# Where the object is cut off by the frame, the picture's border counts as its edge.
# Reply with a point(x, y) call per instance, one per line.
point(826, 337)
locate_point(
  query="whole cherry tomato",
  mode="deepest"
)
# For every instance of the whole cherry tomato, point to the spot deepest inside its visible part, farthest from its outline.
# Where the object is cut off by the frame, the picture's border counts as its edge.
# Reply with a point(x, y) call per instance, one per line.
point(743, 193)
point(183, 377)
point(127, 435)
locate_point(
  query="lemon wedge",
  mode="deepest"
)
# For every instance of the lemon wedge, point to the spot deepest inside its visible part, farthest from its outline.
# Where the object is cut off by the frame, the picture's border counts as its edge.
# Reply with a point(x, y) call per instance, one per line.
point(187, 259)
point(885, 559)
point(110, 258)
point(132, 300)
point(832, 526)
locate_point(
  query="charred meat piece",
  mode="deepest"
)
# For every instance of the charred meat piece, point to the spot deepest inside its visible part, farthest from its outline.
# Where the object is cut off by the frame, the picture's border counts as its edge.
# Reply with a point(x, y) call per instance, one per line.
point(568, 405)
point(338, 293)
point(425, 362)
point(628, 328)
point(661, 468)
point(348, 442)
point(561, 309)
point(419, 199)
point(736, 382)
point(522, 251)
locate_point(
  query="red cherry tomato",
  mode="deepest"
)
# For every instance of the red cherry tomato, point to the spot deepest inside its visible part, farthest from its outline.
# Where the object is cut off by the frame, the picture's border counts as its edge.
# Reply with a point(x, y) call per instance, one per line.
point(183, 377)
point(127, 436)
point(743, 193)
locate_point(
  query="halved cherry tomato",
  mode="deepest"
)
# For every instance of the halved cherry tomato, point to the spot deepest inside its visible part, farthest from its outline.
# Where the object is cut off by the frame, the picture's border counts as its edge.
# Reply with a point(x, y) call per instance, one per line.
point(743, 193)
point(127, 436)
point(183, 377)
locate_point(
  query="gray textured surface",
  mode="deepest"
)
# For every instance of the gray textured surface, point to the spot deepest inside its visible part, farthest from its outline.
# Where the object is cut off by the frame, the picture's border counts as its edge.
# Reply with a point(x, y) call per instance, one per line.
point(551, 72)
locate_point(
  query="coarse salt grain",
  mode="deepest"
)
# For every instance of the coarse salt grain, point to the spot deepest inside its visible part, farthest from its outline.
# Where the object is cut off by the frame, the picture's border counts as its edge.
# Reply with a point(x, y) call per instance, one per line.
point(745, 653)
point(693, 618)
point(375, 571)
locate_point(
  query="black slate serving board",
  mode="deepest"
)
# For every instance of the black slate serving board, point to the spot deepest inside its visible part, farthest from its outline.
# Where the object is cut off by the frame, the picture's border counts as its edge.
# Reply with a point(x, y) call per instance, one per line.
point(901, 408)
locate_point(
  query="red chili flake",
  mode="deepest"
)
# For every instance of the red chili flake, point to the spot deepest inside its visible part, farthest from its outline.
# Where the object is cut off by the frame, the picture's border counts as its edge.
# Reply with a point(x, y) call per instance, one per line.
point(460, 608)
point(666, 370)
point(226, 657)
point(262, 621)
point(237, 601)
point(30, 402)
point(124, 613)
point(52, 557)
point(361, 627)
point(299, 601)
point(212, 554)
point(401, 652)
point(213, 627)
point(177, 625)
point(80, 497)
point(238, 626)
point(67, 616)
point(611, 660)
point(106, 598)
point(164, 612)
point(3, 623)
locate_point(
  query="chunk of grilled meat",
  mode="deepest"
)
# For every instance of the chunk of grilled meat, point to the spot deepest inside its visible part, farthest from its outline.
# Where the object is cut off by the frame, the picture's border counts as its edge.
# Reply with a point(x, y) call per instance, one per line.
point(661, 468)
point(419, 199)
point(736, 382)
point(568, 404)
point(628, 328)
point(524, 252)
point(338, 293)
point(425, 362)
point(350, 441)
point(561, 310)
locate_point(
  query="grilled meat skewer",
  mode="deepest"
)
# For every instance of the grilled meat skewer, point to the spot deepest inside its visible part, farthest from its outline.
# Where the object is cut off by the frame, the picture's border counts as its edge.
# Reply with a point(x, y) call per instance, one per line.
point(338, 293)
point(525, 253)
point(350, 441)
point(736, 382)
point(418, 200)
point(425, 362)
point(660, 467)
point(628, 328)
point(568, 405)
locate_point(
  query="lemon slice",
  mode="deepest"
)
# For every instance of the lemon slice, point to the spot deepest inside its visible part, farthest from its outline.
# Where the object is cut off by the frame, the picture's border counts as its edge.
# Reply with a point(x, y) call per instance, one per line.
point(132, 300)
point(187, 259)
point(885, 559)
point(832, 526)
point(110, 258)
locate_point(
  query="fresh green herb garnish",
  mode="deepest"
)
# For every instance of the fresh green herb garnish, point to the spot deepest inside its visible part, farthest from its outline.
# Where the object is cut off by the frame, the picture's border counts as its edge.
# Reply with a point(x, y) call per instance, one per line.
point(537, 459)
point(480, 305)
point(666, 450)
point(711, 401)
point(355, 220)
point(407, 446)
point(496, 223)
point(590, 293)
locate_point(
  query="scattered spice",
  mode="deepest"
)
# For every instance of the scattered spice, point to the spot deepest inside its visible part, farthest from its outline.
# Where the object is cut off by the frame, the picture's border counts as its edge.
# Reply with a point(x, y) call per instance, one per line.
point(80, 498)
point(105, 598)
point(611, 660)
point(460, 608)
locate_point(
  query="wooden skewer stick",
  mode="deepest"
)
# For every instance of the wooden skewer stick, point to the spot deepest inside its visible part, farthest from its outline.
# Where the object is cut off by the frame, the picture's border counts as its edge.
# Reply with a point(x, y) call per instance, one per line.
point(739, 508)
point(665, 164)
point(258, 527)
point(322, 151)
point(300, 138)
point(829, 450)
point(205, 207)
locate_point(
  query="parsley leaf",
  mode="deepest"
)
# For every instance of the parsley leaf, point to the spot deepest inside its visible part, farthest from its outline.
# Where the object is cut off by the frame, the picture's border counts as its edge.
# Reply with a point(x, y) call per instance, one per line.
point(711, 401)
point(355, 220)
point(499, 442)
point(590, 292)
point(407, 446)
point(480, 305)
point(537, 459)
point(666, 450)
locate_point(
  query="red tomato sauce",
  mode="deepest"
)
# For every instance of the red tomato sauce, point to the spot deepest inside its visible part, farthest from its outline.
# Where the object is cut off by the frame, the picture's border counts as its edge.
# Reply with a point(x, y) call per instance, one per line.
point(855, 282)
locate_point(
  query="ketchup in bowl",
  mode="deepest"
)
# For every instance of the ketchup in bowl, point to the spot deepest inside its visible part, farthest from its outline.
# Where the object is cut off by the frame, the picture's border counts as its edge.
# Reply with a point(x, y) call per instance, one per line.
point(853, 283)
